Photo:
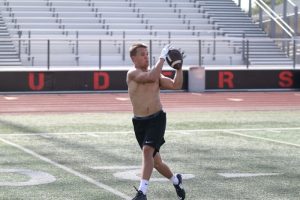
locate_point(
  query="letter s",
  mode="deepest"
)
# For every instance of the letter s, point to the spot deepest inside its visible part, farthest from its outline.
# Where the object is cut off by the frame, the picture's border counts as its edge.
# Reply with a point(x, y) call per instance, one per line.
point(286, 79)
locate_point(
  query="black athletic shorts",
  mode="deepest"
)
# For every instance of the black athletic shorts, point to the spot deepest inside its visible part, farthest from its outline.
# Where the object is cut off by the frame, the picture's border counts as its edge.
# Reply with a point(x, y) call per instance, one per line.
point(150, 130)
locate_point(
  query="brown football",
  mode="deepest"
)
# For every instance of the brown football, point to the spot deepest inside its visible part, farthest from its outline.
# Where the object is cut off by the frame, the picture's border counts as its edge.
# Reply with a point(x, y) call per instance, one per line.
point(174, 59)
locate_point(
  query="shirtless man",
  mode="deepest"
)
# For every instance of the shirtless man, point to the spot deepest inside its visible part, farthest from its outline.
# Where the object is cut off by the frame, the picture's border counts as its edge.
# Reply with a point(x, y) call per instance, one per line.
point(149, 119)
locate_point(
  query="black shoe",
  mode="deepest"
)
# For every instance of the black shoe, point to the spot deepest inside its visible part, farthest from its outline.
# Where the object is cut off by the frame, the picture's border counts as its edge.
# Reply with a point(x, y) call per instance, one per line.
point(179, 189)
point(139, 195)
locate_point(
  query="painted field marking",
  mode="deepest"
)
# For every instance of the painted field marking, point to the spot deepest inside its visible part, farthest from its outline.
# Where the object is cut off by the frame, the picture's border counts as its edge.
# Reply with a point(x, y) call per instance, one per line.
point(245, 175)
point(261, 138)
point(237, 129)
point(274, 131)
point(67, 169)
point(11, 98)
point(133, 173)
point(168, 131)
point(115, 167)
point(36, 177)
point(93, 135)
point(235, 99)
point(122, 99)
point(96, 134)
point(184, 132)
point(197, 94)
point(45, 135)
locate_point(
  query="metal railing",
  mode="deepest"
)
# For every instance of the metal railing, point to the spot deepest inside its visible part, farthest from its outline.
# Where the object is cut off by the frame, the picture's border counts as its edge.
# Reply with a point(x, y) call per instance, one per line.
point(275, 17)
point(97, 53)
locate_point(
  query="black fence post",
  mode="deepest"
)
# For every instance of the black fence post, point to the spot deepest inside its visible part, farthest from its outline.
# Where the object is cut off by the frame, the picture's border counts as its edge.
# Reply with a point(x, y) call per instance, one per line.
point(100, 53)
point(48, 54)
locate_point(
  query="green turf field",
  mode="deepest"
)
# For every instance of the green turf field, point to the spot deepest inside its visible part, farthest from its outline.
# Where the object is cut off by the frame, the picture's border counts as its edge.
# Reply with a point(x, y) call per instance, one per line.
point(223, 155)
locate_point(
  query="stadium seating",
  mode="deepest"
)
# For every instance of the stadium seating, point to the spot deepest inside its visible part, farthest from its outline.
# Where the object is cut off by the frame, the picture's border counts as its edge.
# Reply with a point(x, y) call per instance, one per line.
point(74, 28)
point(235, 23)
point(8, 54)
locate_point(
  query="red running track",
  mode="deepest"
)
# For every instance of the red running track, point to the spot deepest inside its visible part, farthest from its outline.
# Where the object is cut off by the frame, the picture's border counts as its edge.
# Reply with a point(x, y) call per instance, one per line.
point(119, 102)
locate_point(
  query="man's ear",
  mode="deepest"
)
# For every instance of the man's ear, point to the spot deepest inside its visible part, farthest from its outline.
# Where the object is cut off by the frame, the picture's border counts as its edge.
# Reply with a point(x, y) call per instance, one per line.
point(132, 58)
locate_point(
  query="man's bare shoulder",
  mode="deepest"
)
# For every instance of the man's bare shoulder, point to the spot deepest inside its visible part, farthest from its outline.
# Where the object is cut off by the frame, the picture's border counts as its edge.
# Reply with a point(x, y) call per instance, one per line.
point(132, 71)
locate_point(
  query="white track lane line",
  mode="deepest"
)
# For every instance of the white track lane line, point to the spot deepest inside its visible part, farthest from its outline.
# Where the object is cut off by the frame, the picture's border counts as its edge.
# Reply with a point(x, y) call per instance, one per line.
point(260, 138)
point(67, 169)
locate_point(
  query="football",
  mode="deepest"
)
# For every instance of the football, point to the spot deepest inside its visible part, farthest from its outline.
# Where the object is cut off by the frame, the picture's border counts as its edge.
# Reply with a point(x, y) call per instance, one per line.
point(175, 59)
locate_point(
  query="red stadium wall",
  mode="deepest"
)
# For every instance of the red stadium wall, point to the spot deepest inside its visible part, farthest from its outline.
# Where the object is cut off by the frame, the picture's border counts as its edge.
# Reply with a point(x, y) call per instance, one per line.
point(116, 80)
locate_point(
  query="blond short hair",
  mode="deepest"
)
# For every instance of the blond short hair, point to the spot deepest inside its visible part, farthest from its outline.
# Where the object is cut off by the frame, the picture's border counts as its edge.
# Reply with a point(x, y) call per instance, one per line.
point(134, 47)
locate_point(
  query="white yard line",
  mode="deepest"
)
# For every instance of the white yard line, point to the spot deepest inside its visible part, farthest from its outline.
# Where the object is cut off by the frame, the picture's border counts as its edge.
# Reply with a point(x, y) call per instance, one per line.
point(117, 167)
point(92, 134)
point(170, 131)
point(237, 129)
point(183, 132)
point(67, 169)
point(261, 138)
point(245, 175)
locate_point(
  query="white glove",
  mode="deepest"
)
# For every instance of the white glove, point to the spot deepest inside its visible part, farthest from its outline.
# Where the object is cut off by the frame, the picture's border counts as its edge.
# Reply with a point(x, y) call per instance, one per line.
point(165, 51)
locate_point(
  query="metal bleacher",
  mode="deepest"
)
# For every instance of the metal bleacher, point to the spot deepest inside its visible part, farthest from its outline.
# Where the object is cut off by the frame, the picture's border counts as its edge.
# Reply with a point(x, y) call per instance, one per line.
point(75, 27)
point(234, 22)
point(112, 21)
point(8, 53)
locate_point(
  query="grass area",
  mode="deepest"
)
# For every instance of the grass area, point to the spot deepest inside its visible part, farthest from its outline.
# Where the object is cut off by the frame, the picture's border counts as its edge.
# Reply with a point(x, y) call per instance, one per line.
point(75, 147)
point(40, 123)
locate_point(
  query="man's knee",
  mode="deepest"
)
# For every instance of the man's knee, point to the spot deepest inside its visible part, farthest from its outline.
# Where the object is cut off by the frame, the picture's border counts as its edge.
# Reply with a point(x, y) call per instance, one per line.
point(148, 150)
